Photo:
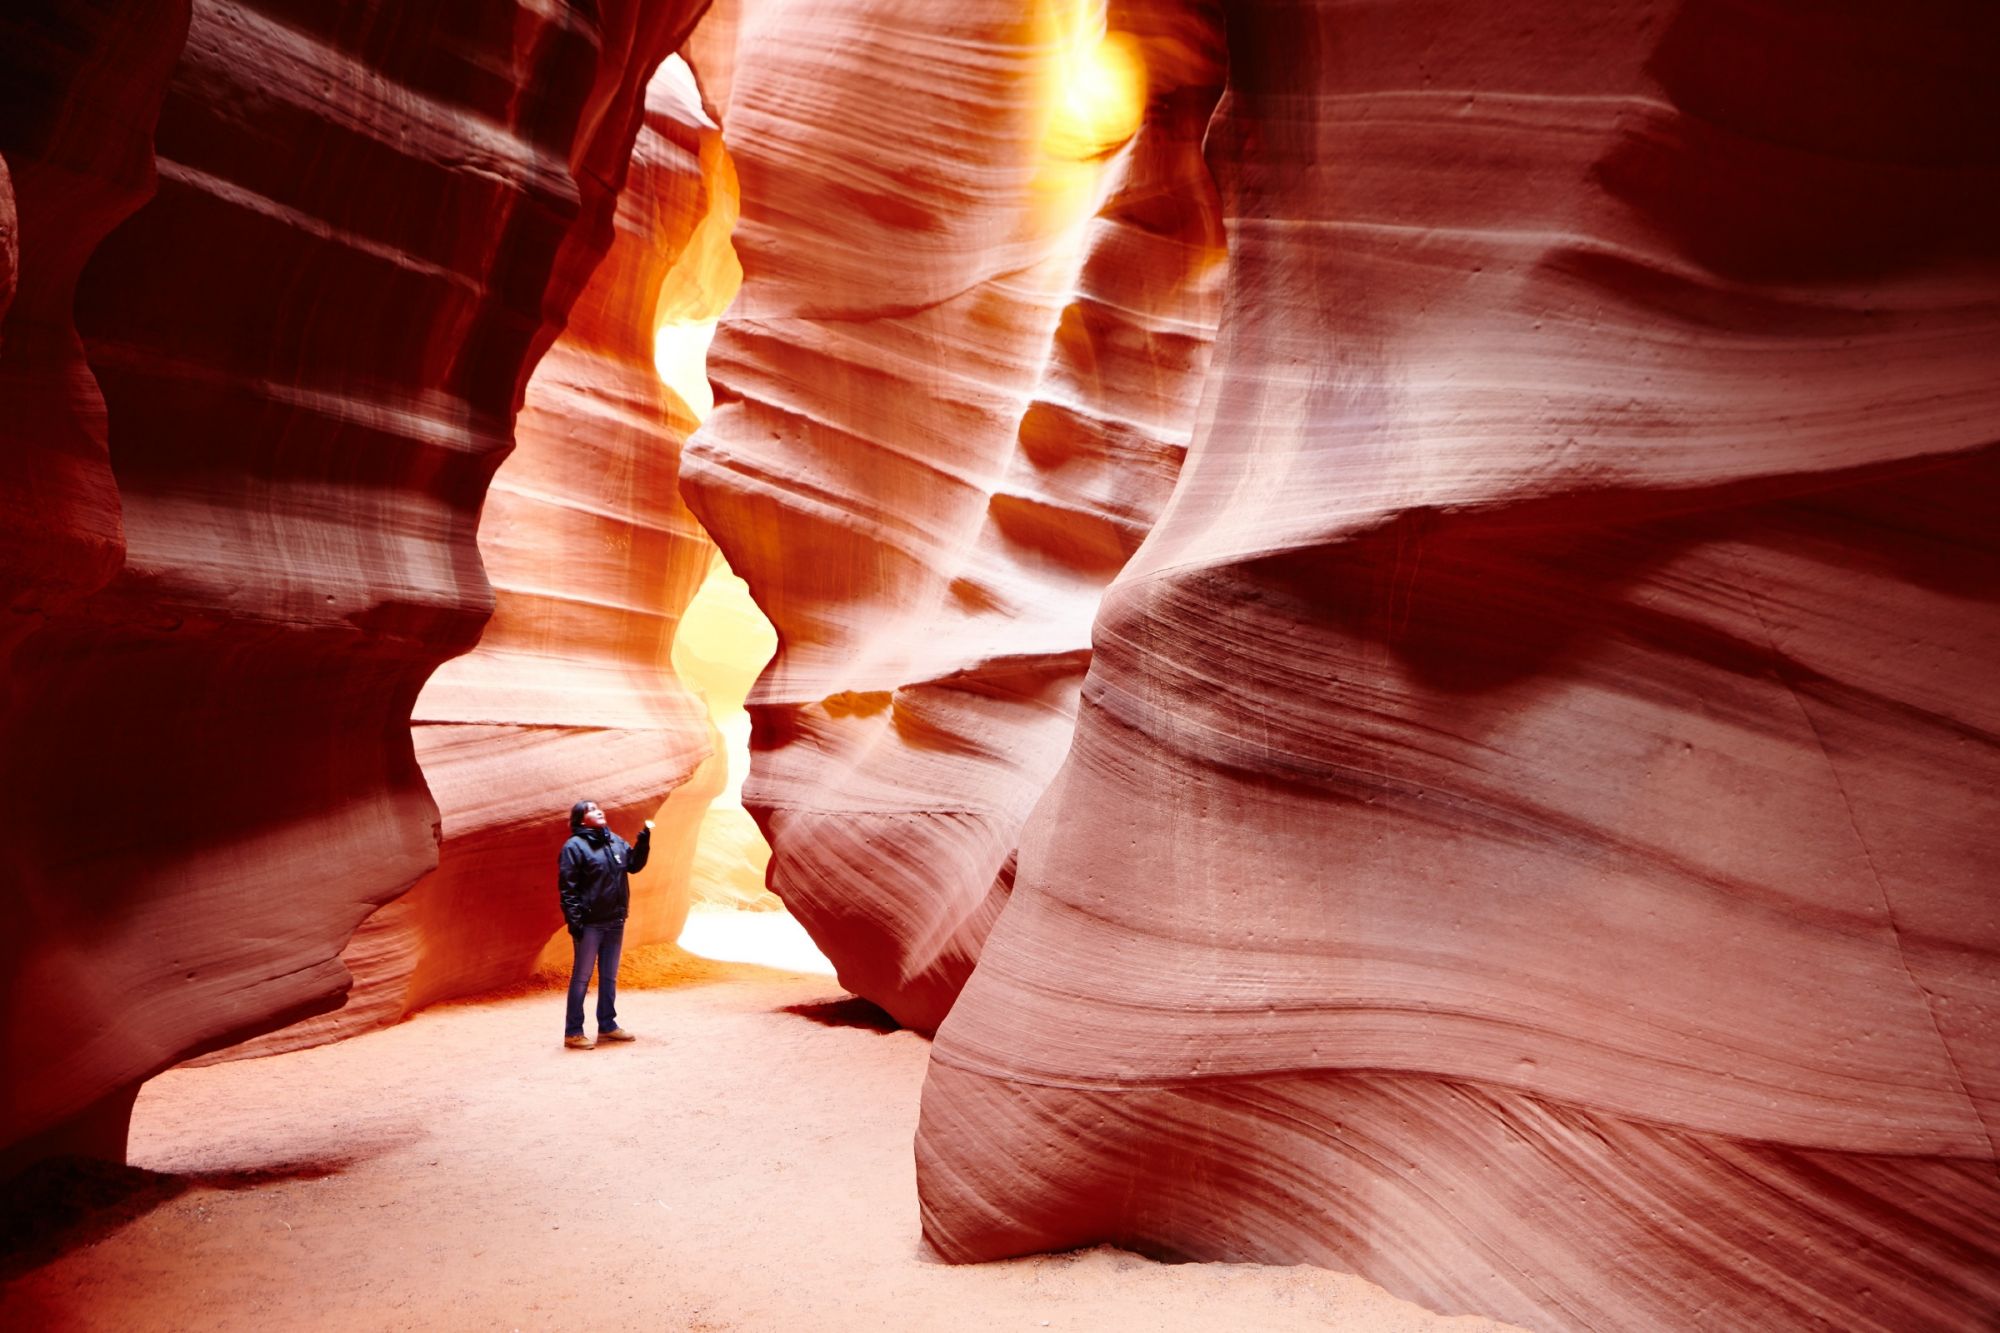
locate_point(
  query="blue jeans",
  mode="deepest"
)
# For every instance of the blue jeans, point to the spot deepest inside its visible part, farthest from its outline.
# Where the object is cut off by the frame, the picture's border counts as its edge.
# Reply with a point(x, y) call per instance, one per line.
point(599, 947)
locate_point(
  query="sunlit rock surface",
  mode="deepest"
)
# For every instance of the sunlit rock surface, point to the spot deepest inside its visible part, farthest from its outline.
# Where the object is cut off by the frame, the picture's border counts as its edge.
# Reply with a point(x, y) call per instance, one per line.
point(952, 396)
point(1530, 831)
point(369, 224)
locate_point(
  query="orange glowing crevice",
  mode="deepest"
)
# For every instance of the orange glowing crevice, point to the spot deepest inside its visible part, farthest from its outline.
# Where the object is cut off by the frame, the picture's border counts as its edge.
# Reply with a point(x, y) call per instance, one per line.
point(700, 285)
point(722, 644)
point(1093, 99)
point(1100, 99)
point(720, 647)
point(722, 640)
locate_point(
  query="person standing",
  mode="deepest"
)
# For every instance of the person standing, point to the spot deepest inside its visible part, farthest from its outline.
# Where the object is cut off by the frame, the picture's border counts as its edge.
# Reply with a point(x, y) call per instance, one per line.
point(596, 896)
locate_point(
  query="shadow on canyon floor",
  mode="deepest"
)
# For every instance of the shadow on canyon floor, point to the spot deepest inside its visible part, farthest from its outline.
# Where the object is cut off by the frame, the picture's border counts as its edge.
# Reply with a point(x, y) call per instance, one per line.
point(852, 1012)
point(65, 1204)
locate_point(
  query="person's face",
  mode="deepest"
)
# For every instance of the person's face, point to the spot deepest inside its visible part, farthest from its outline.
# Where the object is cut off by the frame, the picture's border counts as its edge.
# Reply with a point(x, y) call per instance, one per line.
point(594, 816)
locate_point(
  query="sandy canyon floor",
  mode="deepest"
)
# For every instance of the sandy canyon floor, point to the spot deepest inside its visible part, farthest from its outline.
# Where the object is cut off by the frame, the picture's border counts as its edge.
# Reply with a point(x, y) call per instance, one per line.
point(745, 1165)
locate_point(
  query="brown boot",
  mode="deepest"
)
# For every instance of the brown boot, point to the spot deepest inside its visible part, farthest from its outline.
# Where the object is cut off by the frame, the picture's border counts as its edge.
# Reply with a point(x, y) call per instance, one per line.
point(616, 1034)
point(579, 1043)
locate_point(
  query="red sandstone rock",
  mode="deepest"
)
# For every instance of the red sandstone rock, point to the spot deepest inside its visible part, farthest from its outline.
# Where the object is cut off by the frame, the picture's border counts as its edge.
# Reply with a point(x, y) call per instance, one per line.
point(1530, 829)
point(10, 240)
point(570, 692)
point(80, 91)
point(370, 223)
point(953, 393)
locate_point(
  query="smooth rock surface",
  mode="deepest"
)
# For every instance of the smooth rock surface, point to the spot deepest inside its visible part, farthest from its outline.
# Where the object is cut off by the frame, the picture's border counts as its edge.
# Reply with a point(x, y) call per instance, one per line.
point(370, 223)
point(1530, 829)
point(80, 94)
point(570, 693)
point(950, 399)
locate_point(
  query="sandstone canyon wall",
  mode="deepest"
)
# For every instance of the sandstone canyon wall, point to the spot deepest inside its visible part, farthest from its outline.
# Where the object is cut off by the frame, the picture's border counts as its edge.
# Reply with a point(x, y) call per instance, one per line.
point(952, 395)
point(1530, 830)
point(80, 93)
point(1522, 825)
point(570, 692)
point(370, 222)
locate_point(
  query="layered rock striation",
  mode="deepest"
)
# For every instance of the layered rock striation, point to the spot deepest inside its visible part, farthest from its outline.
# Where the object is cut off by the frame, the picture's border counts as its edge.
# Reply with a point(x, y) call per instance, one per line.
point(80, 93)
point(1529, 831)
point(369, 225)
point(570, 693)
point(1521, 825)
point(950, 399)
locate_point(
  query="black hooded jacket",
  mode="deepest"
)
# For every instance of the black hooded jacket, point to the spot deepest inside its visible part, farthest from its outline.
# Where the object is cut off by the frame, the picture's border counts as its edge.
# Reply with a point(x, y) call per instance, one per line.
point(590, 873)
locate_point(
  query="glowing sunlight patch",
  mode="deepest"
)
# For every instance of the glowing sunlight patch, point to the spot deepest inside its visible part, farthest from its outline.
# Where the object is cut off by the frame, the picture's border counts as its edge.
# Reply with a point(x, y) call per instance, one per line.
point(722, 644)
point(767, 939)
point(680, 355)
point(705, 274)
point(1101, 95)
point(1092, 96)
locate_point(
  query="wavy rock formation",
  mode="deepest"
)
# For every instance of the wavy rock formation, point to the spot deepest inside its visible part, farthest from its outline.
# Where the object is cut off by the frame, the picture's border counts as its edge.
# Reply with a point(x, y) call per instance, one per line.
point(80, 93)
point(1530, 828)
point(570, 692)
point(370, 222)
point(951, 397)
point(10, 240)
